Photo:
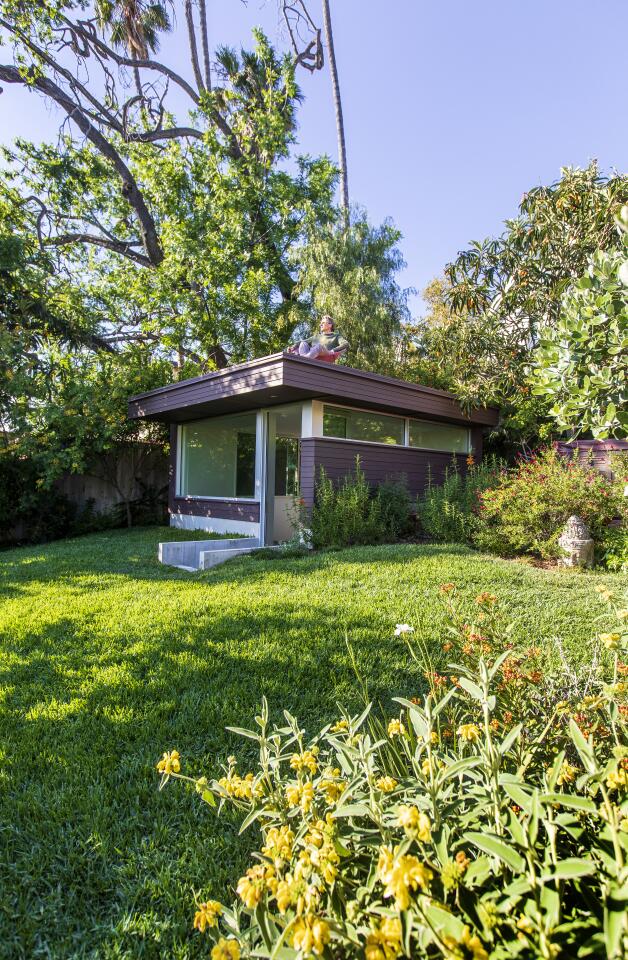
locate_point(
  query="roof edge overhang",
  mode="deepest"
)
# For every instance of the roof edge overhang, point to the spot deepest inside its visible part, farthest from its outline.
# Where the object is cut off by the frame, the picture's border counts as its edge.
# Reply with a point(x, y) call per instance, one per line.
point(285, 378)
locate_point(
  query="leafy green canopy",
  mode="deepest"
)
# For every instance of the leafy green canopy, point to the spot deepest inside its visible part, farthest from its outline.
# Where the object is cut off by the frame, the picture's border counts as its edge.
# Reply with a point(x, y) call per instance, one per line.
point(499, 293)
point(581, 363)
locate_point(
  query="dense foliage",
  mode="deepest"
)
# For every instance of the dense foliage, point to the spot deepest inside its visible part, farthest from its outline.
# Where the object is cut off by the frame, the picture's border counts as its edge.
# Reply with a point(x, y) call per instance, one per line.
point(526, 509)
point(351, 512)
point(488, 819)
point(485, 318)
point(581, 363)
point(447, 511)
point(349, 270)
point(523, 509)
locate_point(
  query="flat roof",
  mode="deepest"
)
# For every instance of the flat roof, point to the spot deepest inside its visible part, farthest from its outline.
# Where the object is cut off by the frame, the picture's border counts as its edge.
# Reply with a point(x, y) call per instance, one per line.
point(288, 378)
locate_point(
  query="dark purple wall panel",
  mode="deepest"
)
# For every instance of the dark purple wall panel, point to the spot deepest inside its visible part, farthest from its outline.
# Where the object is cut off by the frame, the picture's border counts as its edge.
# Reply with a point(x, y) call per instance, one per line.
point(377, 461)
point(220, 509)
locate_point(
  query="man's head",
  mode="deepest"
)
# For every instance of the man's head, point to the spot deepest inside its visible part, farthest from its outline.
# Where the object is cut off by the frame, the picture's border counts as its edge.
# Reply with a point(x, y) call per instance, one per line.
point(327, 324)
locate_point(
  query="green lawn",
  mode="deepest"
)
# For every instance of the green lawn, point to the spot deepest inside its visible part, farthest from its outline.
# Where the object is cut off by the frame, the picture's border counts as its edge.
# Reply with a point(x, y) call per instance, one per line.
point(108, 659)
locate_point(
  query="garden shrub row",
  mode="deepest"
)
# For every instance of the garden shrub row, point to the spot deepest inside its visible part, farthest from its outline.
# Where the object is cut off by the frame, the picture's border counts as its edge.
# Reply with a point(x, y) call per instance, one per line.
point(352, 513)
point(487, 819)
point(522, 509)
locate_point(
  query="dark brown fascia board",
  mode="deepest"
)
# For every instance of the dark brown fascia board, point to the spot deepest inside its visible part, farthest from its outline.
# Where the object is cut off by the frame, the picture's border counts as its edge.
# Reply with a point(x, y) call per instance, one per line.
point(167, 398)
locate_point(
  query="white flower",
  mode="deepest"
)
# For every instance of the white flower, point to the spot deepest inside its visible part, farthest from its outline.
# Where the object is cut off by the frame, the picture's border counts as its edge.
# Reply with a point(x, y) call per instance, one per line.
point(402, 628)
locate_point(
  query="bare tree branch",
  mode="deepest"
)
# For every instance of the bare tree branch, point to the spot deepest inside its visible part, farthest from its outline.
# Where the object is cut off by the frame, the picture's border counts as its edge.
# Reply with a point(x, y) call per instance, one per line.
point(83, 31)
point(308, 54)
point(117, 246)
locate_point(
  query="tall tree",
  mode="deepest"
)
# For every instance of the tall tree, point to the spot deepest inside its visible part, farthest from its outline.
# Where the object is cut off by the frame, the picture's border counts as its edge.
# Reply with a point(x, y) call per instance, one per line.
point(502, 291)
point(134, 25)
point(349, 270)
point(183, 224)
point(305, 37)
point(340, 125)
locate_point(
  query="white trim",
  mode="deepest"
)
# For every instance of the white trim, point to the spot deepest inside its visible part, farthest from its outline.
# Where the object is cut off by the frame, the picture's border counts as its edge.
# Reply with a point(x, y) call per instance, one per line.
point(261, 439)
point(395, 446)
point(195, 496)
point(186, 521)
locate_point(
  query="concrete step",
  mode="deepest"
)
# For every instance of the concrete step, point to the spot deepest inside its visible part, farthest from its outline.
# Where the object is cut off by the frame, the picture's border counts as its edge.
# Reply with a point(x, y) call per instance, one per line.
point(187, 553)
point(211, 558)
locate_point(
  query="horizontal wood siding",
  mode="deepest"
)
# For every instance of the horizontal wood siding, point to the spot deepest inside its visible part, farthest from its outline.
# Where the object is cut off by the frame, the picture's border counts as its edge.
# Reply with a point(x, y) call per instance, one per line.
point(377, 461)
point(359, 388)
point(284, 378)
point(204, 390)
point(598, 453)
point(220, 509)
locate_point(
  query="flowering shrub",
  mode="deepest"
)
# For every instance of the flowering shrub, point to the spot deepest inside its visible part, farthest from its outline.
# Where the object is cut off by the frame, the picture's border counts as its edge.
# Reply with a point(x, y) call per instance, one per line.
point(525, 511)
point(488, 819)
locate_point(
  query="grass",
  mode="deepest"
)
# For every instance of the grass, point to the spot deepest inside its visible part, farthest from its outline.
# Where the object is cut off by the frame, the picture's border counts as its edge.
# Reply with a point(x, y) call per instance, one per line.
point(108, 659)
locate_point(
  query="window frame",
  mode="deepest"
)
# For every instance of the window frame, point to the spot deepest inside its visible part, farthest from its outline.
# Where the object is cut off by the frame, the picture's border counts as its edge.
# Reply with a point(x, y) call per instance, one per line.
point(179, 464)
point(406, 432)
point(377, 413)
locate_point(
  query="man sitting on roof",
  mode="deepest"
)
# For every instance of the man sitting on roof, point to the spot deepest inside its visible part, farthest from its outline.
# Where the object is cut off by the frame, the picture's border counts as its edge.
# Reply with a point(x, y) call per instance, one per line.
point(326, 345)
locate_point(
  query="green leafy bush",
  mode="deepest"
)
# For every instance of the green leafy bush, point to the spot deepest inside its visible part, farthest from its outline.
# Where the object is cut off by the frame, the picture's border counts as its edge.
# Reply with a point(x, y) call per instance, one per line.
point(526, 509)
point(581, 363)
point(396, 508)
point(613, 550)
point(346, 513)
point(488, 820)
point(447, 512)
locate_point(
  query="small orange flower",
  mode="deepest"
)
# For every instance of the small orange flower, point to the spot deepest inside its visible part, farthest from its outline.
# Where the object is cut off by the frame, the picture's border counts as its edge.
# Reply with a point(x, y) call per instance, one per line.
point(470, 460)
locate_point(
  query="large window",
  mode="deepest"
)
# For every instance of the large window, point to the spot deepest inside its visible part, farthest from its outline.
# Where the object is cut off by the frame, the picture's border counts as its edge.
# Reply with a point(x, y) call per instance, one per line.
point(360, 425)
point(439, 436)
point(218, 457)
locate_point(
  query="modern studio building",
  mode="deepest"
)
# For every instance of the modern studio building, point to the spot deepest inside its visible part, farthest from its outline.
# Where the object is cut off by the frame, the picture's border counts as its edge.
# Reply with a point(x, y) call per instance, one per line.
point(246, 439)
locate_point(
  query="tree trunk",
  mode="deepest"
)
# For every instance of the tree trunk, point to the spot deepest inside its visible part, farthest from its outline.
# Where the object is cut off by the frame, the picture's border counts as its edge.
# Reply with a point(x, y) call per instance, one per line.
point(340, 127)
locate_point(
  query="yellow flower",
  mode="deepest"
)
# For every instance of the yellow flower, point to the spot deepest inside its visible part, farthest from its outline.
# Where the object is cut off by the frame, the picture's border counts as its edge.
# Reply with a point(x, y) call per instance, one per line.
point(283, 895)
point(279, 843)
point(207, 915)
point(396, 729)
point(253, 885)
point(610, 640)
point(170, 763)
point(402, 876)
point(622, 614)
point(305, 761)
point(340, 725)
point(384, 941)
point(617, 779)
point(415, 823)
point(300, 794)
point(604, 592)
point(471, 945)
point(243, 788)
point(566, 774)
point(386, 784)
point(469, 732)
point(426, 767)
point(310, 934)
point(332, 788)
point(226, 950)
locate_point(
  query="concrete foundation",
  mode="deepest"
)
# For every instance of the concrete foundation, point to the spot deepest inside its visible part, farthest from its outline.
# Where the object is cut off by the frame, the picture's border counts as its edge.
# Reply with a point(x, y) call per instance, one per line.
point(187, 553)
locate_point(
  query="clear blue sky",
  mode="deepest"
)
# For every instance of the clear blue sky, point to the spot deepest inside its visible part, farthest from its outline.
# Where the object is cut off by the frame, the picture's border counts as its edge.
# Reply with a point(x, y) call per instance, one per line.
point(452, 109)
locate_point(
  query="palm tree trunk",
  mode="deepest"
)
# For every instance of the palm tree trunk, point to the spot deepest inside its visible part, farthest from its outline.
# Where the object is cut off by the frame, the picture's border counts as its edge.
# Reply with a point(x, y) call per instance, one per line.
point(340, 127)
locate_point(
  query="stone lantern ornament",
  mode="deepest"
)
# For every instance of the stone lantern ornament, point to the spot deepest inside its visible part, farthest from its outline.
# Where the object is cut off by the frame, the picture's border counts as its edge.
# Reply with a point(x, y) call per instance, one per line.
point(576, 543)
